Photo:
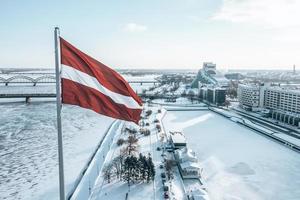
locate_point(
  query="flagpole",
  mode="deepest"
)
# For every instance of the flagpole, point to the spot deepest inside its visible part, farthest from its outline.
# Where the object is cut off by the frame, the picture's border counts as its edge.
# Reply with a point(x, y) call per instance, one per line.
point(58, 109)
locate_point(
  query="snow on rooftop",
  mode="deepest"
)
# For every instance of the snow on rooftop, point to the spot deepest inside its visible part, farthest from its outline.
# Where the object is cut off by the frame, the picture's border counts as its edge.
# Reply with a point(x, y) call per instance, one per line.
point(178, 137)
point(186, 154)
point(189, 164)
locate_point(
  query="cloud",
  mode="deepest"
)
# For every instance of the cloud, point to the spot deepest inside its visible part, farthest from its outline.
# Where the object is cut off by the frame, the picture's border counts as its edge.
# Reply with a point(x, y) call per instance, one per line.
point(133, 27)
point(269, 13)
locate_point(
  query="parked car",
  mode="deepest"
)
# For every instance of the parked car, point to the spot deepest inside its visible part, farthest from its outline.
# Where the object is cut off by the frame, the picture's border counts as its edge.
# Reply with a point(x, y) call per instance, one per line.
point(166, 195)
point(158, 148)
point(163, 175)
point(161, 166)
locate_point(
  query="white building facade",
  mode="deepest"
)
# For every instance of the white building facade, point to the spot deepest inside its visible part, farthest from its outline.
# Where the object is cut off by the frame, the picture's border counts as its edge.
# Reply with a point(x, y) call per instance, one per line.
point(282, 102)
point(250, 96)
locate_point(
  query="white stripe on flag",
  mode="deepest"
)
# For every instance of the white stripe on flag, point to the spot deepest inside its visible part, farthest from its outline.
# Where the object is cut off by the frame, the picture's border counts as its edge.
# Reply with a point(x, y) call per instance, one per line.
point(90, 81)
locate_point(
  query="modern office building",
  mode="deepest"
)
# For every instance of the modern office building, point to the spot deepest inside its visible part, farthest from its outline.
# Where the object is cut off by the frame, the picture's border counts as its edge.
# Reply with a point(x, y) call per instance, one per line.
point(210, 95)
point(220, 96)
point(283, 103)
point(213, 95)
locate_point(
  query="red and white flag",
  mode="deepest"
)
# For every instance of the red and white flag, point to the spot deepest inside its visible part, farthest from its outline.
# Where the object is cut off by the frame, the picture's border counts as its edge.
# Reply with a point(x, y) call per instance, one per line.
point(90, 84)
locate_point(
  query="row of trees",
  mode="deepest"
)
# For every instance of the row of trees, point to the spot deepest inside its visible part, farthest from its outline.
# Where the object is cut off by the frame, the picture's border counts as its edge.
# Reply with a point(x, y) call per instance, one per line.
point(138, 169)
point(130, 168)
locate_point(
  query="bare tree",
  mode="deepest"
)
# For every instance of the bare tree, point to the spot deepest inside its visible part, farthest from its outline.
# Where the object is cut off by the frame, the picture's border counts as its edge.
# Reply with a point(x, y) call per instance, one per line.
point(227, 103)
point(120, 142)
point(117, 163)
point(132, 144)
point(168, 165)
point(107, 173)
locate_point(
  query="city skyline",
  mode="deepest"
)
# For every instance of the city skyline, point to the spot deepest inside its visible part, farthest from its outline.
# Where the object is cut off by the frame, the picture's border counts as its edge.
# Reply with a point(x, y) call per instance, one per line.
point(157, 34)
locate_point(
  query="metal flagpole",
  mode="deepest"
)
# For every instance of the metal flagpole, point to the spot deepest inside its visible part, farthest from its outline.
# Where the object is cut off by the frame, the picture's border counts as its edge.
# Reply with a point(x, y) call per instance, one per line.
point(58, 107)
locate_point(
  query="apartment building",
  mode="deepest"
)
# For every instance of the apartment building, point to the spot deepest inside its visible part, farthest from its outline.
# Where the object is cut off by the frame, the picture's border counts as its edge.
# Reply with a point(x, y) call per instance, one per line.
point(249, 96)
point(283, 103)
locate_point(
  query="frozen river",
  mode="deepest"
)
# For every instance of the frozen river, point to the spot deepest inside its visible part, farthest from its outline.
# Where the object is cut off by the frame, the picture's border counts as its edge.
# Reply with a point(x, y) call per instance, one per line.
point(28, 147)
point(237, 162)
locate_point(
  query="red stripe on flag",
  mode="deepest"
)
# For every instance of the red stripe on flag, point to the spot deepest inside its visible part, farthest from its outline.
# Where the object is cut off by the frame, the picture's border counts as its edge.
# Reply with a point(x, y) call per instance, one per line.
point(92, 99)
point(73, 57)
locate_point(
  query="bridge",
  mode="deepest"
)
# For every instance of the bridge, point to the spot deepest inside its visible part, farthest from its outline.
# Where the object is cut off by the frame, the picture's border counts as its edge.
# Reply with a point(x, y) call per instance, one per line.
point(36, 85)
point(26, 79)
point(40, 78)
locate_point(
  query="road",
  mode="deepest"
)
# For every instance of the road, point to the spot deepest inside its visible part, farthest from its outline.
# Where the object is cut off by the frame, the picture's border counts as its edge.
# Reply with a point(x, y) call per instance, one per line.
point(267, 123)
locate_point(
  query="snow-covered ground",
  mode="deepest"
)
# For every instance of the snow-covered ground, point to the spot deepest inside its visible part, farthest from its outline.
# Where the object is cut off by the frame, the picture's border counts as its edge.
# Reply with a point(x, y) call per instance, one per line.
point(154, 190)
point(28, 147)
point(117, 189)
point(238, 163)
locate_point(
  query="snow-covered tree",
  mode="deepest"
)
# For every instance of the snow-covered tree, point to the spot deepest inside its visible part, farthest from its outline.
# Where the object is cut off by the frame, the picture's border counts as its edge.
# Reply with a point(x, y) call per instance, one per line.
point(150, 169)
point(142, 165)
point(127, 168)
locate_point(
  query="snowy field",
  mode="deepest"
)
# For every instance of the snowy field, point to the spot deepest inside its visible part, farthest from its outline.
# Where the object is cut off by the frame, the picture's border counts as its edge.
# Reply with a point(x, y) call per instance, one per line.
point(238, 163)
point(28, 147)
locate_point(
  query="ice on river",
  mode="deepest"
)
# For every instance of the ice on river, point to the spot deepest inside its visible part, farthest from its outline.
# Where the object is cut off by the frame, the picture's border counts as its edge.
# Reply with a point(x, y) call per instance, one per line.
point(237, 162)
point(28, 147)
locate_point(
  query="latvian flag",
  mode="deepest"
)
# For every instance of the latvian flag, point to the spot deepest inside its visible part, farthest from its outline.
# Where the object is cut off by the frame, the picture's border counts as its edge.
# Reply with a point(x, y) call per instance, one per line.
point(92, 85)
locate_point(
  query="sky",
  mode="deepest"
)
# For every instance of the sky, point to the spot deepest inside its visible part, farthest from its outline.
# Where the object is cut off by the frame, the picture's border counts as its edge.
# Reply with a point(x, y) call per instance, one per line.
point(158, 34)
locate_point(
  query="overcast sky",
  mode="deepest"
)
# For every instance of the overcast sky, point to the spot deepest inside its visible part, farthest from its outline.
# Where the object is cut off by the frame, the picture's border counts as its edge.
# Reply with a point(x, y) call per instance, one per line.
point(245, 34)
